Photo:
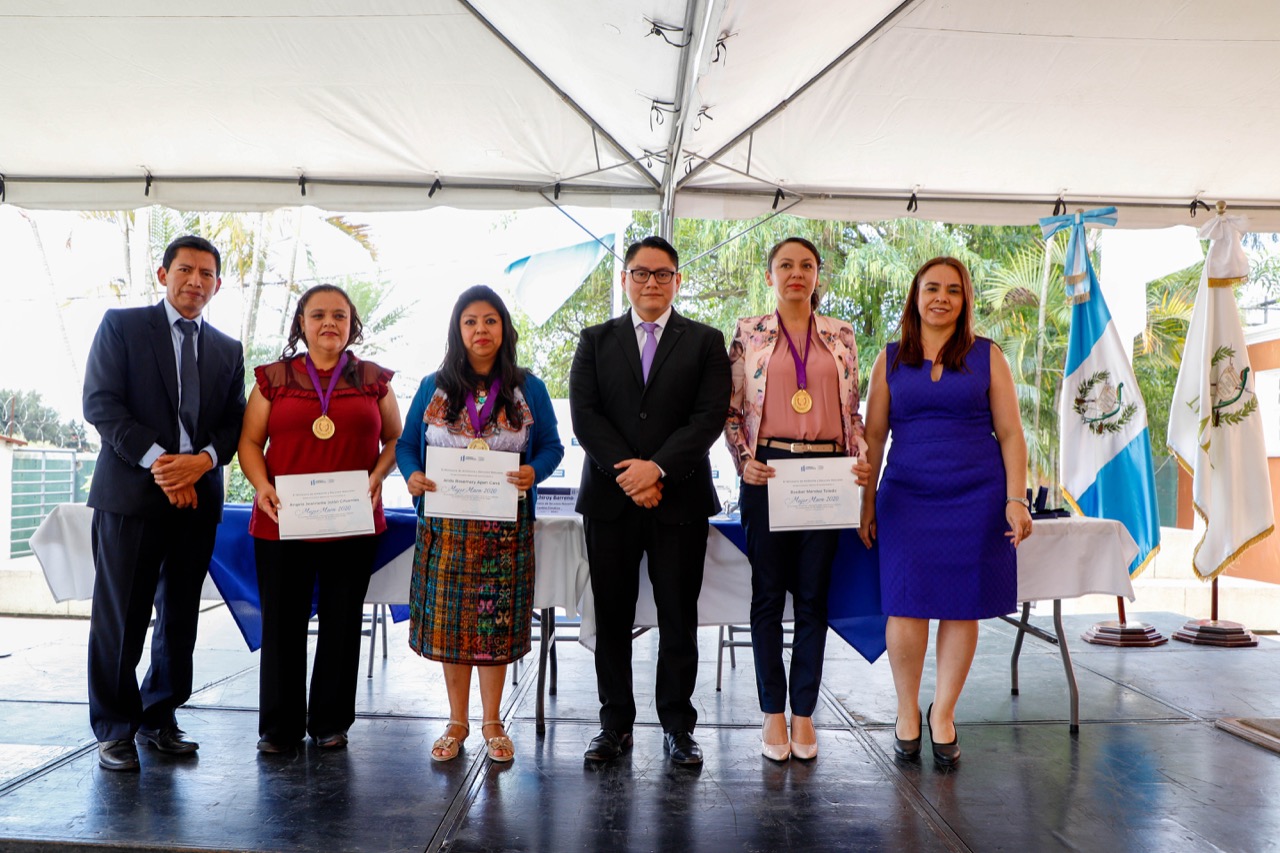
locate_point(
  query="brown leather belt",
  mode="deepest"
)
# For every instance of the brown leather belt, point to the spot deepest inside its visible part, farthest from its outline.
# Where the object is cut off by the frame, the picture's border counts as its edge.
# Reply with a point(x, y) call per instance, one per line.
point(801, 446)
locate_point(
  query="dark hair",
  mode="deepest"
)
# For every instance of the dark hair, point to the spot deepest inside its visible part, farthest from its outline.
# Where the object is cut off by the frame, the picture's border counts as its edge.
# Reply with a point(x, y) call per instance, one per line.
point(652, 243)
point(295, 328)
point(457, 378)
point(191, 241)
point(816, 296)
point(911, 348)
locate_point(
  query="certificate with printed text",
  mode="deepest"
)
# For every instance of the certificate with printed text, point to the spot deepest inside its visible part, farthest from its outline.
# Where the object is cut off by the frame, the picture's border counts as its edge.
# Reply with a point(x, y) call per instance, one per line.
point(324, 506)
point(813, 494)
point(471, 484)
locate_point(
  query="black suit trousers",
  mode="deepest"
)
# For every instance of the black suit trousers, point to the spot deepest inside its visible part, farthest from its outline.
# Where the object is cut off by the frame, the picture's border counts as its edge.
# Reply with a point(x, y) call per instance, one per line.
point(287, 575)
point(140, 563)
point(676, 555)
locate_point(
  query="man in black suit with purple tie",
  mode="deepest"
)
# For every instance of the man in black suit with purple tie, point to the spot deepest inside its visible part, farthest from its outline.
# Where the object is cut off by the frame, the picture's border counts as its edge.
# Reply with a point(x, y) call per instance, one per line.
point(165, 390)
point(648, 393)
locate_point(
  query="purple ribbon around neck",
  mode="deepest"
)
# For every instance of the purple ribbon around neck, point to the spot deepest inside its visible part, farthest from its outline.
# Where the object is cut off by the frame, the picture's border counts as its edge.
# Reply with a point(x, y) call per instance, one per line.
point(481, 417)
point(327, 393)
point(802, 378)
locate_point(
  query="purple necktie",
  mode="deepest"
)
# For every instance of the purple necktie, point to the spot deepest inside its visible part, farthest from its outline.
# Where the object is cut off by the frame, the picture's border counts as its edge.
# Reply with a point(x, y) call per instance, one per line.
point(650, 347)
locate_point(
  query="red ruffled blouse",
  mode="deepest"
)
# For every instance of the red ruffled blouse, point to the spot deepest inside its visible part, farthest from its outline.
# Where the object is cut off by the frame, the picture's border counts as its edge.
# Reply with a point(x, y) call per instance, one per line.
point(291, 446)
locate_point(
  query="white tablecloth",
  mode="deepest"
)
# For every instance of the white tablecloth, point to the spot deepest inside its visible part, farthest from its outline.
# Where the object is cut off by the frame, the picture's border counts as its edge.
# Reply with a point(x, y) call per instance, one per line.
point(1065, 558)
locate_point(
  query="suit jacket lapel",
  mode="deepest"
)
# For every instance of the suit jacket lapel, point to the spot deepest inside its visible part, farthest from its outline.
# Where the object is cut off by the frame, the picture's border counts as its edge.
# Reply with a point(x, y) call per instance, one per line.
point(162, 345)
point(209, 367)
point(624, 327)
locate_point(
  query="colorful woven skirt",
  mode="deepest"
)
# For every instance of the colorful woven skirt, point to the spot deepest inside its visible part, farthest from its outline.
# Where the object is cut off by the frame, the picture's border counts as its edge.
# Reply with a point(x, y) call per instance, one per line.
point(471, 597)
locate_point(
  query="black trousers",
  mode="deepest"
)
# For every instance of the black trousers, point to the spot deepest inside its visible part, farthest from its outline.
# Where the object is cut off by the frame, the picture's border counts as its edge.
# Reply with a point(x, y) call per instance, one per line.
point(288, 572)
point(676, 555)
point(798, 562)
point(140, 563)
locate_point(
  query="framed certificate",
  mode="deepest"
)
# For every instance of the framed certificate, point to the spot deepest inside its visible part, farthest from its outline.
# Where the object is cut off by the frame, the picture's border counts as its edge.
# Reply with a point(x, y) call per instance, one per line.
point(324, 506)
point(813, 494)
point(470, 484)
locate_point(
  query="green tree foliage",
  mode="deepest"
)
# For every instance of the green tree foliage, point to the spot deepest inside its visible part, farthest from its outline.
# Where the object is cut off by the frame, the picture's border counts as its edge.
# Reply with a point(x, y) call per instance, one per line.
point(867, 268)
point(24, 414)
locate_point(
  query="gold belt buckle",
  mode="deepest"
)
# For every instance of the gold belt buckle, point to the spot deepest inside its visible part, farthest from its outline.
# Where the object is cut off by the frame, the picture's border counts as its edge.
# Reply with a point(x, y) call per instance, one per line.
point(800, 447)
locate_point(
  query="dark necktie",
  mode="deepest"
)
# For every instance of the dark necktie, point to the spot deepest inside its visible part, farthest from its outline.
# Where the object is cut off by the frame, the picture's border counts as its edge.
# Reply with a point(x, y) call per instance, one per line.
point(189, 405)
point(650, 348)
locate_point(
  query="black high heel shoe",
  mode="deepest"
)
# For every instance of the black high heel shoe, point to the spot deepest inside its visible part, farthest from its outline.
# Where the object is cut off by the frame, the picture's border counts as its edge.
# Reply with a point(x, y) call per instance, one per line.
point(908, 750)
point(945, 754)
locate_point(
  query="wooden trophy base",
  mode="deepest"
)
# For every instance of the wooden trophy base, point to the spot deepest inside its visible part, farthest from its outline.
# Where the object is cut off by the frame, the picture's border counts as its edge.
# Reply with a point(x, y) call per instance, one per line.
point(1114, 633)
point(1216, 632)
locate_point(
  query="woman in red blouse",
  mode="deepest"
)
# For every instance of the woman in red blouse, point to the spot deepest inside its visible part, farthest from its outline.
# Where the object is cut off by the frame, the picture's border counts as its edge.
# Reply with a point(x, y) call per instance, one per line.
point(319, 412)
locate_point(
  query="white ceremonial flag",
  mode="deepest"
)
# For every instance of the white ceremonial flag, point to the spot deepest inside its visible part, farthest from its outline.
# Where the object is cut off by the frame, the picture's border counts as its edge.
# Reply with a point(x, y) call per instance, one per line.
point(1215, 428)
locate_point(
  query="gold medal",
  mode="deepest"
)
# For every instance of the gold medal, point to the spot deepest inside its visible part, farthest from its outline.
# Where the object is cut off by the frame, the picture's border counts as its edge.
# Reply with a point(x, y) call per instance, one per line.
point(323, 428)
point(801, 401)
point(478, 444)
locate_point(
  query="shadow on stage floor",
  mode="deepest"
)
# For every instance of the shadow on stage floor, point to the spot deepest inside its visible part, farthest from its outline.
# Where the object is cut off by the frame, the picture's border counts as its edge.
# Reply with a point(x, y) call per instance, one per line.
point(1147, 772)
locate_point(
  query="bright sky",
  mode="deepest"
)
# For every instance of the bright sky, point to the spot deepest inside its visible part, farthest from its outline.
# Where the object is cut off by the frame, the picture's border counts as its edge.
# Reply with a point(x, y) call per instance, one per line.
point(429, 257)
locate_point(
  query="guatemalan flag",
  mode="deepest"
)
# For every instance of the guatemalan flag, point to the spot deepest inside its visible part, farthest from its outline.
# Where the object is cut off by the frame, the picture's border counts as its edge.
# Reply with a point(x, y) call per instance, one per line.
point(1215, 425)
point(1106, 447)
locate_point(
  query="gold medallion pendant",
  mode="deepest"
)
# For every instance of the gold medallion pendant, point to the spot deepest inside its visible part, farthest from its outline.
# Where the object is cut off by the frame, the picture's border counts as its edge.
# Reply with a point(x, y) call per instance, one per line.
point(801, 401)
point(323, 428)
point(478, 444)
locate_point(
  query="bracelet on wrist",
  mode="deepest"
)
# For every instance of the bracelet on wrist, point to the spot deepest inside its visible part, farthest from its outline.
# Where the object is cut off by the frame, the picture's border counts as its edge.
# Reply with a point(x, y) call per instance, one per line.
point(1018, 500)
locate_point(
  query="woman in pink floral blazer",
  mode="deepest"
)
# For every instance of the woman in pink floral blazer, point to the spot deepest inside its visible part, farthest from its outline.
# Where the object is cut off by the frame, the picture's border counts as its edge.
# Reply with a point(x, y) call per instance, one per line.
point(795, 395)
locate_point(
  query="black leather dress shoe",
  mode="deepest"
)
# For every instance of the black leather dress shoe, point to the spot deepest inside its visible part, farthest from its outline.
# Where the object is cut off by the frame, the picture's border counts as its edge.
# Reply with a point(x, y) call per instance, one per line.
point(908, 750)
point(117, 755)
point(944, 754)
point(608, 745)
point(171, 740)
point(682, 748)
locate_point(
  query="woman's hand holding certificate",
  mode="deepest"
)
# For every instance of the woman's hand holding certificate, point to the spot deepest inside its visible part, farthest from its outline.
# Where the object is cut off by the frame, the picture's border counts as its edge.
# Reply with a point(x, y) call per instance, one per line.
point(812, 494)
point(470, 484)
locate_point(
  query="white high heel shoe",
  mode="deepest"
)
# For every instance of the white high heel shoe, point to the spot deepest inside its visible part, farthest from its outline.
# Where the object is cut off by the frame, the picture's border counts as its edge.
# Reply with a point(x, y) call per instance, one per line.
point(774, 751)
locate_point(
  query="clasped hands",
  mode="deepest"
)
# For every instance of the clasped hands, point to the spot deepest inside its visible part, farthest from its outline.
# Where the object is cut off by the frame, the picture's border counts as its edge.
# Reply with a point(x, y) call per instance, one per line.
point(177, 474)
point(641, 479)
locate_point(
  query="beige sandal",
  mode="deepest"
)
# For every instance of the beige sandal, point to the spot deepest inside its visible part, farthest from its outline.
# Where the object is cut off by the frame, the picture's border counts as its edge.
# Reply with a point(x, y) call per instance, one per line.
point(495, 745)
point(447, 744)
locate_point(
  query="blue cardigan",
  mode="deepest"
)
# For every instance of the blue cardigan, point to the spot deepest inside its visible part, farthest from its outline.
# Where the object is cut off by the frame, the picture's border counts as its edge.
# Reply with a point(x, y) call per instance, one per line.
point(544, 453)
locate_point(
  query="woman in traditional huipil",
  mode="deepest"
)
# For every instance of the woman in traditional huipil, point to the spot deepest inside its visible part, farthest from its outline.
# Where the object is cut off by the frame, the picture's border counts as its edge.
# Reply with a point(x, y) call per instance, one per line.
point(795, 395)
point(471, 598)
point(952, 506)
point(319, 412)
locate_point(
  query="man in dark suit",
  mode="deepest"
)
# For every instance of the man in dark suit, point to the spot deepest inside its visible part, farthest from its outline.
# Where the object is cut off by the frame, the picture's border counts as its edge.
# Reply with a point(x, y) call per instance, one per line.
point(649, 393)
point(165, 390)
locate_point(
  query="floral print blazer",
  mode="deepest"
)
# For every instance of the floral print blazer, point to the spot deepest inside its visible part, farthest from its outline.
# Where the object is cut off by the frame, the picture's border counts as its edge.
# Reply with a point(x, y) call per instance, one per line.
point(749, 354)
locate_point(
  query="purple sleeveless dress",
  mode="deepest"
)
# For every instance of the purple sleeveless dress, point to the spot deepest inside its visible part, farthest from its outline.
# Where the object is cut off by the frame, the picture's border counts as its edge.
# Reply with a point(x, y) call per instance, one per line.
point(940, 505)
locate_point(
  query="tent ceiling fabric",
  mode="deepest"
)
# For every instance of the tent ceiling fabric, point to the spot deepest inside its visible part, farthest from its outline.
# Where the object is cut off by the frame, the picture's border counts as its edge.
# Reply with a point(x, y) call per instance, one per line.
point(990, 109)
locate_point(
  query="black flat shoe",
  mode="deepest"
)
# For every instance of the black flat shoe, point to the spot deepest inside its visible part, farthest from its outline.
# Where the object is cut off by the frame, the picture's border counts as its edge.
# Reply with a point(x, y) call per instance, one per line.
point(908, 750)
point(170, 740)
point(945, 754)
point(608, 746)
point(118, 755)
point(681, 748)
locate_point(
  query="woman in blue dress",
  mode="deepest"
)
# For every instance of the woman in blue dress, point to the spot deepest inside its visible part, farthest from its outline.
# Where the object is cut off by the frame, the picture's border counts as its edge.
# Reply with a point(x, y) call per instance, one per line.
point(951, 507)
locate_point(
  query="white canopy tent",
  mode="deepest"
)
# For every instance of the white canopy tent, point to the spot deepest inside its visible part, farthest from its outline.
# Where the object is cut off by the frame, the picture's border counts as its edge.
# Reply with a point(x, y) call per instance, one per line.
point(987, 111)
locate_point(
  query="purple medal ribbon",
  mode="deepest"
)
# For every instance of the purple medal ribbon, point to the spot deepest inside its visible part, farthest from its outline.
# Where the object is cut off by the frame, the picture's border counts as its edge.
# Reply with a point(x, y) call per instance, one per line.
point(802, 378)
point(327, 393)
point(481, 417)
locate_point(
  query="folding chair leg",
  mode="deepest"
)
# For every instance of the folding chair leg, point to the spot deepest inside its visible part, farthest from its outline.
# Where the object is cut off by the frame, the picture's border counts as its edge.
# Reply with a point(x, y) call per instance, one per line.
point(719, 658)
point(384, 611)
point(373, 637)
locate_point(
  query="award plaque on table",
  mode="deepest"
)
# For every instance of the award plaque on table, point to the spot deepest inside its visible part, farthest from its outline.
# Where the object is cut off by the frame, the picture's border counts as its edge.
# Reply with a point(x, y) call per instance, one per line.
point(471, 484)
point(324, 506)
point(813, 494)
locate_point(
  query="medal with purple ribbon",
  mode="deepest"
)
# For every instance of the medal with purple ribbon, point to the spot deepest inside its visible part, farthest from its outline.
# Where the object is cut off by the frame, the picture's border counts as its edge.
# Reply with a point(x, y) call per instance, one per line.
point(801, 401)
point(479, 417)
point(322, 427)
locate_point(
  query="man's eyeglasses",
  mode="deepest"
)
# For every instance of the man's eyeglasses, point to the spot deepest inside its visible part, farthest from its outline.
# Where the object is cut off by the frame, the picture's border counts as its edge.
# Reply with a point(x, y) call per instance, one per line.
point(660, 276)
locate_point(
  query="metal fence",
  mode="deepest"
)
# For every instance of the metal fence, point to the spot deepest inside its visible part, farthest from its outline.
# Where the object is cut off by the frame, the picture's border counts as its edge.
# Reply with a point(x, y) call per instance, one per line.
point(42, 479)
